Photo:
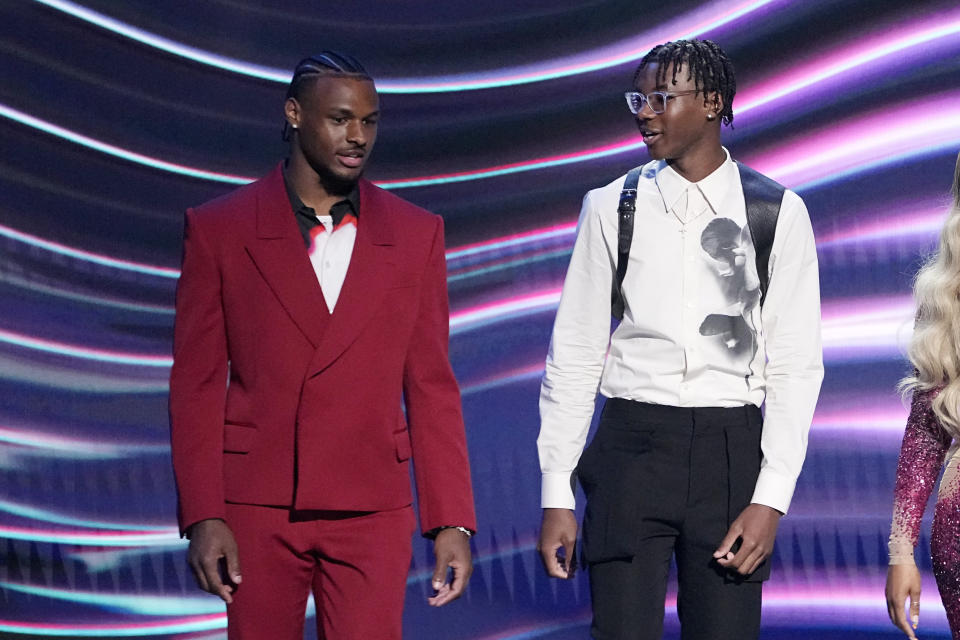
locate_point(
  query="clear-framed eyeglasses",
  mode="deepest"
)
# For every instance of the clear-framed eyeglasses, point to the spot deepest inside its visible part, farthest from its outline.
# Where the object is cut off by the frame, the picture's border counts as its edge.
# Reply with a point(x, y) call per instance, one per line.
point(656, 99)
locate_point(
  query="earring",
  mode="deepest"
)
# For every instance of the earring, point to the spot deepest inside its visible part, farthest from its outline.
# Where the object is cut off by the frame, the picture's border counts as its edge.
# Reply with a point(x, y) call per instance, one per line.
point(711, 116)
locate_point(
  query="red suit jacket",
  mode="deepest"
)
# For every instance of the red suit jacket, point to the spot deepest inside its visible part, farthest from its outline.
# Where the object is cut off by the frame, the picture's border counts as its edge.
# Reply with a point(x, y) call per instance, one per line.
point(276, 401)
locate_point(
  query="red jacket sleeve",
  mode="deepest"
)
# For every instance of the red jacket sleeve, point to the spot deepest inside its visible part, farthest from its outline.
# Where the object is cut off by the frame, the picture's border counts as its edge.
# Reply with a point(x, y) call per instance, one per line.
point(198, 382)
point(438, 438)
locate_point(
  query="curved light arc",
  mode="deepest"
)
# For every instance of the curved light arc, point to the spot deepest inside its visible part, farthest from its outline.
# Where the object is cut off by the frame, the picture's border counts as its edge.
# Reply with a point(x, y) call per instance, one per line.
point(113, 263)
point(901, 42)
point(441, 84)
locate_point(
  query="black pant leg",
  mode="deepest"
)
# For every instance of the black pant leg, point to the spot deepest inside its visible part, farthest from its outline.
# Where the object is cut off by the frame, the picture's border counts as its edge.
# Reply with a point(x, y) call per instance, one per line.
point(628, 594)
point(635, 476)
point(714, 603)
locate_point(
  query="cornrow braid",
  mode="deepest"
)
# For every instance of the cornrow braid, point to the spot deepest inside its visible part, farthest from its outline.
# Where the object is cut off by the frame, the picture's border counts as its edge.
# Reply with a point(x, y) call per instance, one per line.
point(705, 63)
point(325, 63)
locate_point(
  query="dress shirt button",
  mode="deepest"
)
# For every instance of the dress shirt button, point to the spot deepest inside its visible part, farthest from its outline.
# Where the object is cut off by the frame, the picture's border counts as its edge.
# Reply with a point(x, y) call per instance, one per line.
point(327, 264)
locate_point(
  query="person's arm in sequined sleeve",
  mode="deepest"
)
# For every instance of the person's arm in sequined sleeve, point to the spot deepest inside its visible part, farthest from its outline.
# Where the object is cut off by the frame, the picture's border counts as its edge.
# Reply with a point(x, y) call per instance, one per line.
point(922, 453)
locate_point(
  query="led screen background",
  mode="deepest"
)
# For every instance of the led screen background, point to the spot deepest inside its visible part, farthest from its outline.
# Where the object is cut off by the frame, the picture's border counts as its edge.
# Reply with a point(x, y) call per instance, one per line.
point(498, 116)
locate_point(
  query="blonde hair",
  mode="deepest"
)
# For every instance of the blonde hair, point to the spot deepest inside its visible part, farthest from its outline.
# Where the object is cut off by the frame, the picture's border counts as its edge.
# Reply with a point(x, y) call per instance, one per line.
point(935, 346)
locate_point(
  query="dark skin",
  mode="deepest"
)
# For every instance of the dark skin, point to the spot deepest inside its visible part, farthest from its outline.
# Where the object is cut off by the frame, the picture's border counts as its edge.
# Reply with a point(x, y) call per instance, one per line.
point(334, 129)
point(687, 133)
point(687, 136)
point(558, 531)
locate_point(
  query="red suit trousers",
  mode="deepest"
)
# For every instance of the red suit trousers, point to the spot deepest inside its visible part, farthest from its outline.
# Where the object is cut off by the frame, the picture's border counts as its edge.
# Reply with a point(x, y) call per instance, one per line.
point(355, 564)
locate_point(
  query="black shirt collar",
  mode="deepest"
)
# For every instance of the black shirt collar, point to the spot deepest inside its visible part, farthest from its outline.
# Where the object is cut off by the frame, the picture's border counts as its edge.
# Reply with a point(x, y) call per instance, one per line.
point(307, 217)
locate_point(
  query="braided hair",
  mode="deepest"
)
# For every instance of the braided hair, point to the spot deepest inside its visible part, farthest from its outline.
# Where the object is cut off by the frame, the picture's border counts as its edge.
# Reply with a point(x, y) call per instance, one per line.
point(325, 63)
point(705, 63)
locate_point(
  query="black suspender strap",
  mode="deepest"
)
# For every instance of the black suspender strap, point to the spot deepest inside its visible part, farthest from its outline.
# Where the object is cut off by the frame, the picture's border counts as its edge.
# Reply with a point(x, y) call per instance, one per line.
point(763, 197)
point(625, 211)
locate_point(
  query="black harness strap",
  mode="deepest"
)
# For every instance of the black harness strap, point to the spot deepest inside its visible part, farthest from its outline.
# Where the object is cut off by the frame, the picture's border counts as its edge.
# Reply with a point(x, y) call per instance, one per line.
point(762, 197)
point(625, 211)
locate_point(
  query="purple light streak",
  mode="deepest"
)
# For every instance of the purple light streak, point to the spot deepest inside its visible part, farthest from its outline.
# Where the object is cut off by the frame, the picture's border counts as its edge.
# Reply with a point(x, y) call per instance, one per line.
point(86, 353)
point(76, 448)
point(836, 64)
point(707, 18)
point(181, 625)
point(865, 142)
point(96, 538)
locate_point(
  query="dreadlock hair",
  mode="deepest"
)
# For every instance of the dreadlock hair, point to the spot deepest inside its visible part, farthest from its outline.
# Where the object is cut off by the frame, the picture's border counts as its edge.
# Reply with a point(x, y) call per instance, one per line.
point(325, 63)
point(704, 61)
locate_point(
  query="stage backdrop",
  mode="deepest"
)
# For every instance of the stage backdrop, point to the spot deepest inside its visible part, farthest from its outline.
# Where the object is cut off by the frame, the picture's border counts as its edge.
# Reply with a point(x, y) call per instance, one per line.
point(499, 116)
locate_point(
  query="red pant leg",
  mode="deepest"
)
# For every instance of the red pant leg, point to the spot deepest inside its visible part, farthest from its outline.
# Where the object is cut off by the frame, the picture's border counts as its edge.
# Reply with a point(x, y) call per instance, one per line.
point(361, 580)
point(277, 569)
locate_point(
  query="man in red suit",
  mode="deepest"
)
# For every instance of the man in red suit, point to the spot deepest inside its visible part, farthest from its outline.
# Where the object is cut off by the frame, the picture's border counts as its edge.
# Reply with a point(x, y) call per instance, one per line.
point(311, 309)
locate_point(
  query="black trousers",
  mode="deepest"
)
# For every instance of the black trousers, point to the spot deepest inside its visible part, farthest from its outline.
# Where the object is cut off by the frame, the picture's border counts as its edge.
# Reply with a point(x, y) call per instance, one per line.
point(663, 481)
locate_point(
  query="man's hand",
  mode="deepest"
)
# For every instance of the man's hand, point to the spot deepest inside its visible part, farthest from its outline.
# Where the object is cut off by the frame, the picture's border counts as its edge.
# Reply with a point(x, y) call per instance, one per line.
point(903, 582)
point(452, 549)
point(558, 531)
point(211, 542)
point(756, 527)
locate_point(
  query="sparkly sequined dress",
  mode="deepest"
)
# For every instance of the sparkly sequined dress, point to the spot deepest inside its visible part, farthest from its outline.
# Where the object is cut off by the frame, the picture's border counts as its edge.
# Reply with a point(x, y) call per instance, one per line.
point(922, 454)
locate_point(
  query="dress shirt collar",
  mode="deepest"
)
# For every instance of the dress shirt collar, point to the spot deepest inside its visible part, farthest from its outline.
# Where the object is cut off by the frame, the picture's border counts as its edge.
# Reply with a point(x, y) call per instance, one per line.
point(714, 187)
point(349, 204)
point(307, 217)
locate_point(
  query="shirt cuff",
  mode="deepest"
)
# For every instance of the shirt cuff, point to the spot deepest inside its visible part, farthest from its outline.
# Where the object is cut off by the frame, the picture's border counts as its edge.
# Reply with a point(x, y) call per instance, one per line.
point(556, 491)
point(774, 490)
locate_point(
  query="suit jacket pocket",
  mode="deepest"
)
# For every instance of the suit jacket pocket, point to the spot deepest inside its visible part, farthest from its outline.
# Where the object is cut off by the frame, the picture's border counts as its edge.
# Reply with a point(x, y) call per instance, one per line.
point(401, 440)
point(238, 438)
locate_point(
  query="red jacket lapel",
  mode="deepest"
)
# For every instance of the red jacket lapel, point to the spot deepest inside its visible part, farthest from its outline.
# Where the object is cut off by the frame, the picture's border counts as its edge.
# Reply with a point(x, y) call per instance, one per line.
point(367, 280)
point(281, 258)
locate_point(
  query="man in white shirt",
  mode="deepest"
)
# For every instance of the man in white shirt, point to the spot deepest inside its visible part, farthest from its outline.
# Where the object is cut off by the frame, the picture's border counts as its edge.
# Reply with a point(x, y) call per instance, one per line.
point(683, 463)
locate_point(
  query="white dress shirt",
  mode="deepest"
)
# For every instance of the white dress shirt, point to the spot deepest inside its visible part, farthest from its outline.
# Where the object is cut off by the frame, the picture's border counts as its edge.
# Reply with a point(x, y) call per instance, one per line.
point(693, 333)
point(330, 251)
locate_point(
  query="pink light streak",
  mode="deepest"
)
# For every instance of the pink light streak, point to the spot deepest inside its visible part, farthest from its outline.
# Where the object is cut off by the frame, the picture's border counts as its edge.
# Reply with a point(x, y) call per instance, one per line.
point(862, 420)
point(178, 625)
point(61, 249)
point(115, 151)
point(510, 307)
point(503, 242)
point(612, 55)
point(926, 222)
point(31, 438)
point(502, 379)
point(833, 65)
point(542, 72)
point(874, 326)
point(838, 603)
point(867, 50)
point(864, 328)
point(86, 353)
point(933, 124)
point(101, 538)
